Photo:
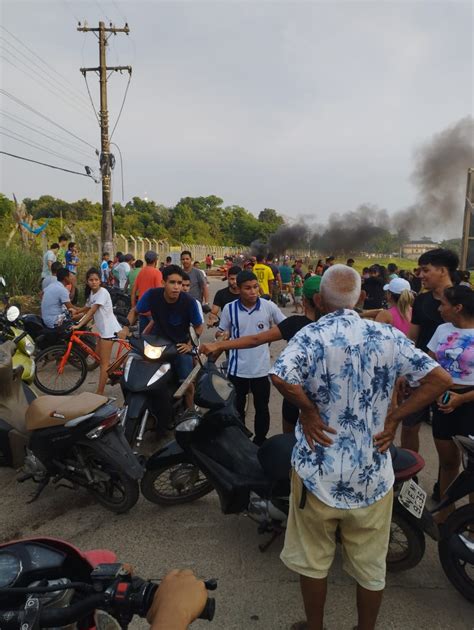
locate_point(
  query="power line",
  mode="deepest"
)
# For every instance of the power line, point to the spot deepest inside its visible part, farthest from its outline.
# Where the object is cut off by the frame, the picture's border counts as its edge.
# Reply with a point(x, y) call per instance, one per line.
point(48, 65)
point(56, 93)
point(35, 145)
point(58, 168)
point(123, 103)
point(90, 97)
point(119, 11)
point(32, 109)
point(49, 76)
point(46, 135)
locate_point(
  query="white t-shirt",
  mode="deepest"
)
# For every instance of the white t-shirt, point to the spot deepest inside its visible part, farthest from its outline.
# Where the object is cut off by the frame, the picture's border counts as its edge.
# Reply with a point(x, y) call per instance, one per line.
point(122, 270)
point(236, 319)
point(104, 318)
point(454, 350)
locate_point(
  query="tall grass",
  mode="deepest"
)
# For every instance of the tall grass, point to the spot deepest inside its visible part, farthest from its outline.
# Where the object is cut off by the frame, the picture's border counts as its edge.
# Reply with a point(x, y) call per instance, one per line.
point(21, 269)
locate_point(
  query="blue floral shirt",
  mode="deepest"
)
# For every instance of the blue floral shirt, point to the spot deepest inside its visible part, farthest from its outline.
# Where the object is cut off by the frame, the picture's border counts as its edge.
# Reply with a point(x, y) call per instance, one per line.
point(348, 367)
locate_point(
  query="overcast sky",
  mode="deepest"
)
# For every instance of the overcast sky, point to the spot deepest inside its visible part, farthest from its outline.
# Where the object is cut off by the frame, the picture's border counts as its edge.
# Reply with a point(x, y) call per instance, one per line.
point(306, 107)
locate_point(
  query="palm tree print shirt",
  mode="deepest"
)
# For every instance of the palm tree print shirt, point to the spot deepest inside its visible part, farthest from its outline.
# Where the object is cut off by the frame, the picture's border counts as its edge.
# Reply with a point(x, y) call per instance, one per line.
point(348, 367)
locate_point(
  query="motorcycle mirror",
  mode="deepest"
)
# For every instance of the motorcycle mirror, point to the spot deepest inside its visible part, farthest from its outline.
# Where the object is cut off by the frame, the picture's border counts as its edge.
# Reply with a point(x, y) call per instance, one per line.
point(2, 281)
point(13, 313)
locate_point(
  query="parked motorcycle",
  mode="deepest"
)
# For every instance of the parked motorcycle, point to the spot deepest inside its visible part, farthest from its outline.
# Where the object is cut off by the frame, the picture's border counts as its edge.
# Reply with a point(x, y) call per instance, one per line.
point(73, 438)
point(121, 301)
point(455, 537)
point(213, 450)
point(148, 384)
point(49, 583)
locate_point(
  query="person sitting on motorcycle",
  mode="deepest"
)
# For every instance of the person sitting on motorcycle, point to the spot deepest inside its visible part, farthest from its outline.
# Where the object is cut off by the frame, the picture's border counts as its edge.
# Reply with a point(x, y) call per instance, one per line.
point(56, 301)
point(173, 312)
point(284, 330)
point(178, 601)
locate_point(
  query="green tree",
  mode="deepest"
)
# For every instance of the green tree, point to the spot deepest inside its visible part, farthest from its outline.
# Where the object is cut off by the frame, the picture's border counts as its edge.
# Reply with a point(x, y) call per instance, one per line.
point(7, 206)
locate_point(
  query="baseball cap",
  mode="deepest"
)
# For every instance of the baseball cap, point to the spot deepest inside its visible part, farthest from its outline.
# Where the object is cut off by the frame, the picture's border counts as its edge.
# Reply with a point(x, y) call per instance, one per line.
point(311, 286)
point(397, 285)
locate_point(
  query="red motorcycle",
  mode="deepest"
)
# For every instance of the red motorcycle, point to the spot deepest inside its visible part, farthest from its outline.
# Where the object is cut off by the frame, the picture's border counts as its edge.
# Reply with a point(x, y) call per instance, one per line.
point(49, 583)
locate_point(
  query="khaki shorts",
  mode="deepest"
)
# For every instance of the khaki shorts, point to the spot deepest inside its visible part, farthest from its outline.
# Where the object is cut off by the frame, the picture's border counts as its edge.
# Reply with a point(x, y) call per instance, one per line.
point(310, 541)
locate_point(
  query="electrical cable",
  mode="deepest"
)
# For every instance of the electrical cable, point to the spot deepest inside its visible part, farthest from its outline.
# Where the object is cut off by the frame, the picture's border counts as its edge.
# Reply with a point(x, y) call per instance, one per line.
point(58, 168)
point(49, 76)
point(55, 93)
point(35, 145)
point(119, 11)
point(59, 141)
point(90, 97)
point(39, 129)
point(48, 65)
point(123, 103)
point(32, 109)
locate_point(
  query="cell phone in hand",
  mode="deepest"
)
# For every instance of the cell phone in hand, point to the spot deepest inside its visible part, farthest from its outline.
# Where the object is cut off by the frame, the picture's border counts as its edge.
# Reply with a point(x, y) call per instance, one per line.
point(445, 398)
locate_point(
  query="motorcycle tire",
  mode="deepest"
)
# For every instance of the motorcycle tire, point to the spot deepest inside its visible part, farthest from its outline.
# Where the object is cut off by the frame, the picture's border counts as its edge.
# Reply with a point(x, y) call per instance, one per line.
point(461, 521)
point(175, 476)
point(406, 546)
point(44, 378)
point(105, 492)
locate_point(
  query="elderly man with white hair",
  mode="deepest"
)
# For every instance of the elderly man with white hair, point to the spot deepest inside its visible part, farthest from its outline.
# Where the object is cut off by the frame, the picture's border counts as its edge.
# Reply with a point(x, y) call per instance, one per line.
point(340, 372)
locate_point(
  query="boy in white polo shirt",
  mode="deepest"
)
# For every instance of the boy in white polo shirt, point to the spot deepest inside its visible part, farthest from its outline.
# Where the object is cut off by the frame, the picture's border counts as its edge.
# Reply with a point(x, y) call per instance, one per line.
point(248, 369)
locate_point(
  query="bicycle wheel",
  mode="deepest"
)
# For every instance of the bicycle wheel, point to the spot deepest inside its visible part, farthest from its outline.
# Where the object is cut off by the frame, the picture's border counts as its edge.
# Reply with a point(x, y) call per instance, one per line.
point(47, 378)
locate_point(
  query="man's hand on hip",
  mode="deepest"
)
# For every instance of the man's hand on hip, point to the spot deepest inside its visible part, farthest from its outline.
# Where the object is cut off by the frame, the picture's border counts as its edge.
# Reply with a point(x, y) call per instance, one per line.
point(383, 439)
point(314, 428)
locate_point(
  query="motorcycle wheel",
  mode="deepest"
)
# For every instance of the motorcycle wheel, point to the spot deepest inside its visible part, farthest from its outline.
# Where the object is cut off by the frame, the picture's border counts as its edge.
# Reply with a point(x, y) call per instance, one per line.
point(47, 378)
point(119, 493)
point(459, 572)
point(406, 546)
point(175, 484)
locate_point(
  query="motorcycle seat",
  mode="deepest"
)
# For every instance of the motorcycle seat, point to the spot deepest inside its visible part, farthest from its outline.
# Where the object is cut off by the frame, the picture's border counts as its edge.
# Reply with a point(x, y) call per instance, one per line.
point(406, 464)
point(275, 456)
point(51, 411)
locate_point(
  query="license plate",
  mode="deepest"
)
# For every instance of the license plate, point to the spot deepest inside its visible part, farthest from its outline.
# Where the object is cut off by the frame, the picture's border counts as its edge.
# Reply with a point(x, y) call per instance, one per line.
point(413, 498)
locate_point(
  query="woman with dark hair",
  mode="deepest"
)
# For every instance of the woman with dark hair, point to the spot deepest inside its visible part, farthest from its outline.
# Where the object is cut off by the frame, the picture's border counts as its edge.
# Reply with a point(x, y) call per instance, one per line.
point(452, 346)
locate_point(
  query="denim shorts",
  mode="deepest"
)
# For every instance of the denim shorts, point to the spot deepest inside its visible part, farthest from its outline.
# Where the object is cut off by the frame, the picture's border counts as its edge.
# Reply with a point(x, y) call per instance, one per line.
point(183, 365)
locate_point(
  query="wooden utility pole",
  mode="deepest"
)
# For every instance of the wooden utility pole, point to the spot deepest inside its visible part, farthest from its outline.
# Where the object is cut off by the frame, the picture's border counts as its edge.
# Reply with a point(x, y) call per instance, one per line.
point(106, 161)
point(467, 248)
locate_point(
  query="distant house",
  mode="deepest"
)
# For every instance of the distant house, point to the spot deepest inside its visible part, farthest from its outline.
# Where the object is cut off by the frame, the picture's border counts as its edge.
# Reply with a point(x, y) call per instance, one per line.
point(414, 249)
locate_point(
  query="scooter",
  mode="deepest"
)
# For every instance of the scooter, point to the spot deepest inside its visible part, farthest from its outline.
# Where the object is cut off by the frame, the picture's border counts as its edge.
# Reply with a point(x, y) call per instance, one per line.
point(49, 583)
point(213, 450)
point(455, 536)
point(148, 384)
point(73, 438)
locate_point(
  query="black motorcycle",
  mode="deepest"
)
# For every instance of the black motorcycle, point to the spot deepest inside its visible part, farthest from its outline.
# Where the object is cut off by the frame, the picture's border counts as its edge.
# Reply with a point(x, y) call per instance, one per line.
point(213, 450)
point(77, 439)
point(148, 384)
point(455, 537)
point(49, 583)
point(121, 301)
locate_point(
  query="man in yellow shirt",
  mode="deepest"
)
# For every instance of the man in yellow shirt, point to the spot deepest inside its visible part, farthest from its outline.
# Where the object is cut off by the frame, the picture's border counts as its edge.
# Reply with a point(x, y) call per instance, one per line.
point(264, 275)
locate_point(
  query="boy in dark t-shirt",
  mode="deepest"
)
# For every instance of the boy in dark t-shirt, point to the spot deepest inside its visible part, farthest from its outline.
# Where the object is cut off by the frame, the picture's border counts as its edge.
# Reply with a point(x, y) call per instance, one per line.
point(286, 330)
point(436, 269)
point(225, 296)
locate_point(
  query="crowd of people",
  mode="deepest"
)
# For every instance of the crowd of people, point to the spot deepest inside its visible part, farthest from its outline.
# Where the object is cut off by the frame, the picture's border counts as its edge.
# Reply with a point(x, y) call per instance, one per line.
point(366, 353)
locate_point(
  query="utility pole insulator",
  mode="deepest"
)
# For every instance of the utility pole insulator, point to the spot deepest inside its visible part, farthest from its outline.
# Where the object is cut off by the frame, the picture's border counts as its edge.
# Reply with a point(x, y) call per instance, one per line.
point(106, 160)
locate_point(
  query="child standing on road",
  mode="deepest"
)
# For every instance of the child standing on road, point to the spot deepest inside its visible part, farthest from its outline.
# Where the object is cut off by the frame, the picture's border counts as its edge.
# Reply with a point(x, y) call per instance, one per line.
point(298, 293)
point(99, 307)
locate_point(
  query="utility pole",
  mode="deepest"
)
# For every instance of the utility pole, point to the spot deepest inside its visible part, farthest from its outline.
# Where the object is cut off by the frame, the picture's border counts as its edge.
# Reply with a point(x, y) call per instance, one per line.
point(106, 159)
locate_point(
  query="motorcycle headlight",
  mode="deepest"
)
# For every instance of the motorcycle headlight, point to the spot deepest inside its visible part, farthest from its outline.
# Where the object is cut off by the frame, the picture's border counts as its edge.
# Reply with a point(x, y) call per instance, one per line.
point(13, 313)
point(188, 425)
point(153, 352)
point(29, 347)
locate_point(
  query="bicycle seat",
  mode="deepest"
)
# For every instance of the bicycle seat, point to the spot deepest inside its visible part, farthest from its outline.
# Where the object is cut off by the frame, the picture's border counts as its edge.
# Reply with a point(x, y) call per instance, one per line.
point(51, 411)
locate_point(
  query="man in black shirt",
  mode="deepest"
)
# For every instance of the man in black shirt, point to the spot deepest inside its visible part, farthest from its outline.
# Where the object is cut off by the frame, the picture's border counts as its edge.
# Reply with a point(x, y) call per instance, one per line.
point(224, 296)
point(373, 287)
point(436, 269)
point(286, 330)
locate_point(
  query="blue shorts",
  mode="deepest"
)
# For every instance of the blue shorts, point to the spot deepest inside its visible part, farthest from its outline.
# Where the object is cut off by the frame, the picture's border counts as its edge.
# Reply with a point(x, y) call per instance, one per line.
point(183, 365)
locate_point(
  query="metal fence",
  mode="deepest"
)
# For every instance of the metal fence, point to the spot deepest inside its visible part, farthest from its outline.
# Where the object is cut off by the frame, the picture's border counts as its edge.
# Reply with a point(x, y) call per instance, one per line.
point(90, 247)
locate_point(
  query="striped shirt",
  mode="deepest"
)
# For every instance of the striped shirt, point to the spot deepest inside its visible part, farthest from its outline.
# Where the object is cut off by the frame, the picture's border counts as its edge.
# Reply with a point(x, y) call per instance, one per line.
point(239, 322)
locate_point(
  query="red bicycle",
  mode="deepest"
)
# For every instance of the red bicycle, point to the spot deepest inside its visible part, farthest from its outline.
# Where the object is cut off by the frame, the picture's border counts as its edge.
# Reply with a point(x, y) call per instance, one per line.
point(62, 369)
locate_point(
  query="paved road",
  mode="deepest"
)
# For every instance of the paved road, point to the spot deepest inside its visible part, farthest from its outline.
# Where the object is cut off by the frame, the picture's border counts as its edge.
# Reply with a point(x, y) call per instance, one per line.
point(255, 589)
